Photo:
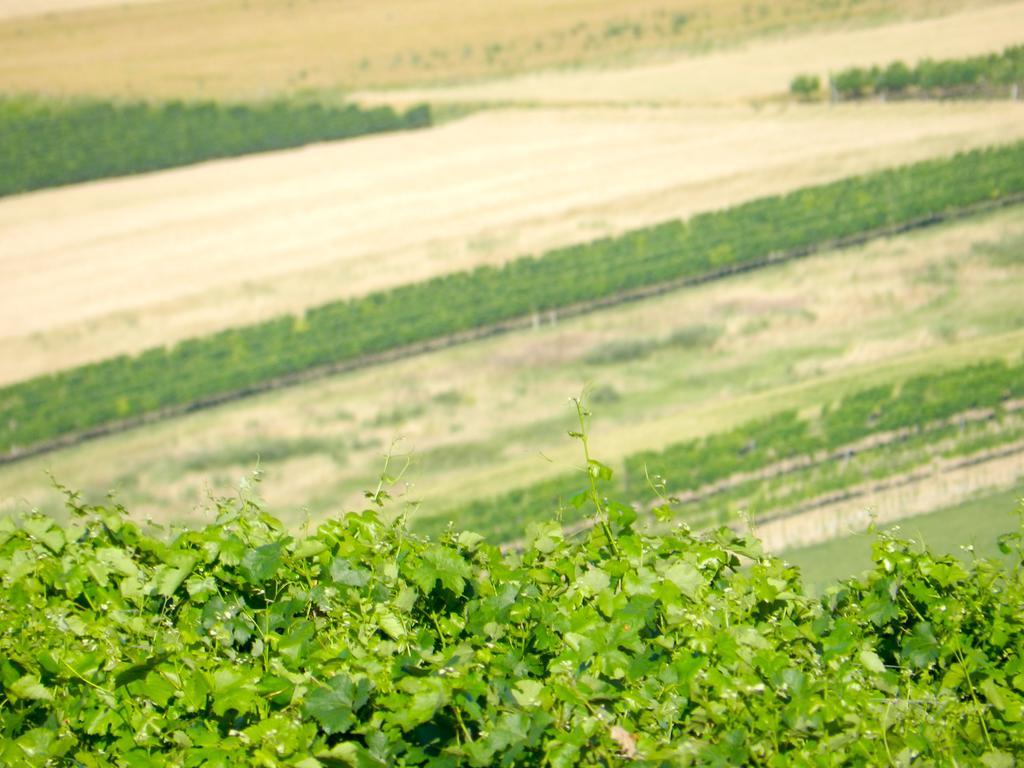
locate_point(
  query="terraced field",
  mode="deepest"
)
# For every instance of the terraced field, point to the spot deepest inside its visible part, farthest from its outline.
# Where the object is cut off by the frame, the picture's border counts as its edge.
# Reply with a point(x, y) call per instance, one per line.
point(489, 416)
point(118, 266)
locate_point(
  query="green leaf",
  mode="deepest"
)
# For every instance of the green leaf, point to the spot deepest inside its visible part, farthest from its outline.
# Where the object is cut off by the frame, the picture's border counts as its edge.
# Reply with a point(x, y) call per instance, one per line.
point(469, 540)
point(167, 579)
point(686, 577)
point(293, 644)
point(233, 689)
point(261, 563)
point(427, 696)
point(29, 687)
point(993, 693)
point(118, 560)
point(921, 648)
point(352, 754)
point(140, 670)
point(333, 704)
point(44, 530)
point(545, 537)
point(199, 589)
point(439, 564)
point(995, 758)
point(391, 625)
point(527, 693)
point(309, 548)
point(593, 581)
point(871, 662)
point(342, 572)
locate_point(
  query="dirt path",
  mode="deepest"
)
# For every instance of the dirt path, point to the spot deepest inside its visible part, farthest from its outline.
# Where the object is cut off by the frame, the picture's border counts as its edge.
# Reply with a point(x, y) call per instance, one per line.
point(758, 69)
point(117, 266)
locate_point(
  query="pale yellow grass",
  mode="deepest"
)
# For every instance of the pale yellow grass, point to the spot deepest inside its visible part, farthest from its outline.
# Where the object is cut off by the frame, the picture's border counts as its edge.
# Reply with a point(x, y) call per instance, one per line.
point(756, 69)
point(240, 49)
point(99, 269)
point(20, 8)
point(792, 336)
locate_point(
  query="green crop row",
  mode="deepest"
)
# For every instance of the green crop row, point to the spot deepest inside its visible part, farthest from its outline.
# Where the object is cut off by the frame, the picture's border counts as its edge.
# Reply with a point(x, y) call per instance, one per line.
point(921, 400)
point(973, 75)
point(363, 645)
point(926, 400)
point(785, 491)
point(49, 143)
point(244, 359)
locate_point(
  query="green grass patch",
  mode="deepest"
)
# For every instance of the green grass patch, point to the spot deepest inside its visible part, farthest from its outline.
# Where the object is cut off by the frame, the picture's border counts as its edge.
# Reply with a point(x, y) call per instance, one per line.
point(975, 524)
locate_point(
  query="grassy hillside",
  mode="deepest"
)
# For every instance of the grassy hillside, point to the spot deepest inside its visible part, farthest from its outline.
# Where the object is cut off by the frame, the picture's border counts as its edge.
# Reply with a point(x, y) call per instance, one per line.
point(487, 417)
point(155, 259)
point(200, 372)
point(788, 462)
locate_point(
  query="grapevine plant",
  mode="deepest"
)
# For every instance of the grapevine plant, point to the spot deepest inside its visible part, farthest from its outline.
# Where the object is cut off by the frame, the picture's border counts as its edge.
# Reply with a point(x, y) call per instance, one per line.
point(361, 644)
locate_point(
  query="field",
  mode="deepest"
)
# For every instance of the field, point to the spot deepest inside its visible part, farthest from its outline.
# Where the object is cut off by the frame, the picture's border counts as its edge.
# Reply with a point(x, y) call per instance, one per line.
point(487, 416)
point(129, 264)
point(475, 444)
point(257, 49)
point(759, 70)
point(143, 261)
point(19, 8)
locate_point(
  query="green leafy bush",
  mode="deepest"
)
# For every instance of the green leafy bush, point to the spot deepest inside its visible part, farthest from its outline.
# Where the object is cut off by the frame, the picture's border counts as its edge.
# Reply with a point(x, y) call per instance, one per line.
point(895, 78)
point(242, 360)
point(363, 645)
point(47, 143)
point(805, 86)
point(853, 82)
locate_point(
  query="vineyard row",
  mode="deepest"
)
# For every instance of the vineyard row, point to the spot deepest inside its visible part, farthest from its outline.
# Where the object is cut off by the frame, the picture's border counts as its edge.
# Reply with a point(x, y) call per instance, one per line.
point(972, 76)
point(253, 358)
point(920, 407)
point(47, 143)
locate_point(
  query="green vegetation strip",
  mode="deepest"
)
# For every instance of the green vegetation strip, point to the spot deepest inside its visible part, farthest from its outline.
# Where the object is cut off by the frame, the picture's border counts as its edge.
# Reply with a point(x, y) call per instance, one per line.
point(929, 453)
point(95, 398)
point(47, 143)
point(690, 466)
point(993, 74)
point(363, 645)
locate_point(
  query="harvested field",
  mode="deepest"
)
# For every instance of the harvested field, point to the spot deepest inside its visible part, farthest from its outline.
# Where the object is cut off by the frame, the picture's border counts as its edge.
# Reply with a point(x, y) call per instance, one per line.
point(118, 266)
point(245, 49)
point(10, 9)
point(756, 70)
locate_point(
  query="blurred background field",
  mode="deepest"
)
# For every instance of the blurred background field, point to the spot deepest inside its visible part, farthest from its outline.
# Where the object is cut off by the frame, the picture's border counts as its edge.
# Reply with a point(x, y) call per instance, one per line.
point(536, 127)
